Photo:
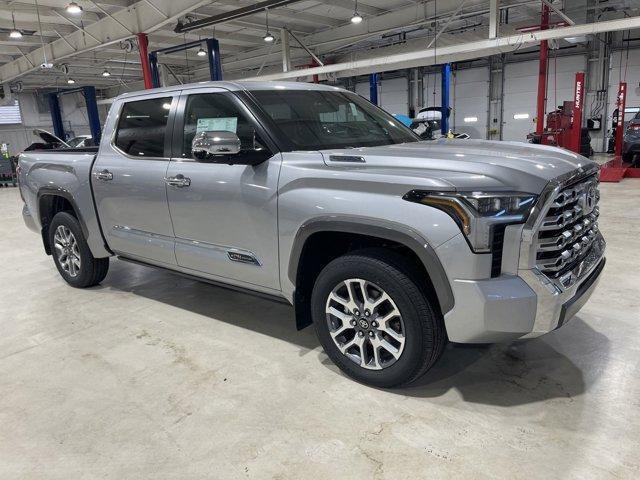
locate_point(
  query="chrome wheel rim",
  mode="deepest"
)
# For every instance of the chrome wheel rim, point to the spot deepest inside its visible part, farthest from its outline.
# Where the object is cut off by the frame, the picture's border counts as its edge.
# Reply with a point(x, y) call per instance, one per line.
point(67, 251)
point(365, 324)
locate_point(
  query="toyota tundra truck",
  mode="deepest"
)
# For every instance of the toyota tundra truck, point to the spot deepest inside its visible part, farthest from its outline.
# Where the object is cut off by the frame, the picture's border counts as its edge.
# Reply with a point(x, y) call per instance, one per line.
point(390, 246)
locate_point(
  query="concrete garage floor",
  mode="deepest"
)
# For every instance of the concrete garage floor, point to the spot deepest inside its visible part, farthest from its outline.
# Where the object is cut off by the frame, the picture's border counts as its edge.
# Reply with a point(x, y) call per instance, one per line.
point(154, 376)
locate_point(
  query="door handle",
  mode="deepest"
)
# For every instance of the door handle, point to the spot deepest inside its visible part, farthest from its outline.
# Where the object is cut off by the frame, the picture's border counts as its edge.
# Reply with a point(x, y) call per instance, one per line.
point(179, 181)
point(105, 175)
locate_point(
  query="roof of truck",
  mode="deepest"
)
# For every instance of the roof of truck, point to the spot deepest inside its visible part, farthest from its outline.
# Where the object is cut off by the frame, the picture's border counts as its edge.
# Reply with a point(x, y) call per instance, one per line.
point(235, 86)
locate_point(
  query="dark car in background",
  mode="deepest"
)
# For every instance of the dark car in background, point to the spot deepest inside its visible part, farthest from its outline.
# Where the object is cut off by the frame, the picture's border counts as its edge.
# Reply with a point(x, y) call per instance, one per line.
point(631, 144)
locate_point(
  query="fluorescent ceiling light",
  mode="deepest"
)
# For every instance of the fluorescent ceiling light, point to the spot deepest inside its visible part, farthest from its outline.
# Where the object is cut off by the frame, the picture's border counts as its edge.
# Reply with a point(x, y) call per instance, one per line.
point(15, 34)
point(521, 116)
point(470, 119)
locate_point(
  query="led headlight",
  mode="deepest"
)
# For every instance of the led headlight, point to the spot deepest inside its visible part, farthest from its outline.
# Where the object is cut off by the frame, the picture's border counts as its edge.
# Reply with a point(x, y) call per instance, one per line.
point(476, 213)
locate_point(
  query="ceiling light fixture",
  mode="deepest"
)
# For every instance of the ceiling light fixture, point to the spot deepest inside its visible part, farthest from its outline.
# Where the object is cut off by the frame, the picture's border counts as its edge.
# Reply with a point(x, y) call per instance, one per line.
point(356, 18)
point(71, 81)
point(106, 73)
point(201, 52)
point(268, 37)
point(15, 33)
point(73, 8)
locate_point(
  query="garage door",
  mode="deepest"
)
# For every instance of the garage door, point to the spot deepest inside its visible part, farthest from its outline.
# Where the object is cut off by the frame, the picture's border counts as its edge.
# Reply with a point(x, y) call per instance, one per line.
point(521, 88)
point(630, 67)
point(470, 101)
point(392, 94)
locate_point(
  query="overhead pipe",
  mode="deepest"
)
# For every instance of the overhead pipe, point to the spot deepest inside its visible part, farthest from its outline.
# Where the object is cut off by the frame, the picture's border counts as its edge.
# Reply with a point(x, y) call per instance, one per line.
point(460, 51)
point(232, 15)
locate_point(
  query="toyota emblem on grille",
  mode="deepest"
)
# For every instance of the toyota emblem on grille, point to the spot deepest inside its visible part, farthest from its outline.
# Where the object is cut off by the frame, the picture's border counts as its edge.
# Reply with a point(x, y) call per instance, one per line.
point(589, 198)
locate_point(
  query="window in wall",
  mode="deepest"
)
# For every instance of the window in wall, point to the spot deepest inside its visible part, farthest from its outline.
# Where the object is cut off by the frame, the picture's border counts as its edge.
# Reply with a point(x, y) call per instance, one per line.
point(142, 127)
point(10, 114)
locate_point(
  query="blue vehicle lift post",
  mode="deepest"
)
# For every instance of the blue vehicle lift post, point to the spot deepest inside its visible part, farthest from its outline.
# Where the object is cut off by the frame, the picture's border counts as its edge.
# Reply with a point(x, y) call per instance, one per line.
point(213, 56)
point(373, 88)
point(92, 112)
point(446, 81)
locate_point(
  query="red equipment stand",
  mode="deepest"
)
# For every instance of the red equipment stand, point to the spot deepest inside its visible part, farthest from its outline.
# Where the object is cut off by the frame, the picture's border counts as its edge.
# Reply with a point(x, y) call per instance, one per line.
point(615, 170)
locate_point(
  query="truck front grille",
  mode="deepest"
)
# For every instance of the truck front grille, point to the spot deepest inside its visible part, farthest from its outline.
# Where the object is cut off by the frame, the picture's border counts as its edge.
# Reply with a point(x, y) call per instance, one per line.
point(568, 231)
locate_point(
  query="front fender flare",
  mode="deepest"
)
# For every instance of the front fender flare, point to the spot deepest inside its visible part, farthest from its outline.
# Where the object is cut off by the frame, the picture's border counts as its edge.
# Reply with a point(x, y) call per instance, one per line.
point(381, 229)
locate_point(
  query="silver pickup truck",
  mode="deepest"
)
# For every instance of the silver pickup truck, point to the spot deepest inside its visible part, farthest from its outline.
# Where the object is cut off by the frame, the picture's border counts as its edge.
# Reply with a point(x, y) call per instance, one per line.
point(389, 245)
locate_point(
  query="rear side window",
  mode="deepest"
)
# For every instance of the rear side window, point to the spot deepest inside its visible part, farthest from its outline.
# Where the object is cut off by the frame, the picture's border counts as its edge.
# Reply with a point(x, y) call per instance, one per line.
point(142, 127)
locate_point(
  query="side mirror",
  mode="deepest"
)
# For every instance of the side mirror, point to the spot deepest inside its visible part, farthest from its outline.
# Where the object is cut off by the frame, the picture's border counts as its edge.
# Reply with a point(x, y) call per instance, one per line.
point(221, 143)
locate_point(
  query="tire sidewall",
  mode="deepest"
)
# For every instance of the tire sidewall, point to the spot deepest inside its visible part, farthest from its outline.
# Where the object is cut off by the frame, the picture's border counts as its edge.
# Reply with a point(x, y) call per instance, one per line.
point(415, 347)
point(69, 221)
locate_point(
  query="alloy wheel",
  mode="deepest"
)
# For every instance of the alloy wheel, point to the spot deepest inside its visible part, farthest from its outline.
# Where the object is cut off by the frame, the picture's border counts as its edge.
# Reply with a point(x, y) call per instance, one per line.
point(67, 250)
point(365, 324)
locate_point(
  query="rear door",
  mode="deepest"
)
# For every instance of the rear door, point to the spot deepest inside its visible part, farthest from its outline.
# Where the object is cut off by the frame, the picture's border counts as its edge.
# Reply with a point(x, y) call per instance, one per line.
point(128, 180)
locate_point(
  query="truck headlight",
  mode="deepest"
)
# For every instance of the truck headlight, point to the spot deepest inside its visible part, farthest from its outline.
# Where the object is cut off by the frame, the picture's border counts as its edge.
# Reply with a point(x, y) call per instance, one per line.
point(476, 213)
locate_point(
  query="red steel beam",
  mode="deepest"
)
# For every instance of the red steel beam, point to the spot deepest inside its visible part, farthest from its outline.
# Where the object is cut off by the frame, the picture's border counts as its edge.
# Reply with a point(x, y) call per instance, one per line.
point(542, 73)
point(143, 46)
point(578, 107)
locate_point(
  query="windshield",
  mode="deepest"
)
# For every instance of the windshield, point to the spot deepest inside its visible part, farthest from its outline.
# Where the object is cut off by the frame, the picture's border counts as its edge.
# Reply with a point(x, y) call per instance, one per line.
point(317, 120)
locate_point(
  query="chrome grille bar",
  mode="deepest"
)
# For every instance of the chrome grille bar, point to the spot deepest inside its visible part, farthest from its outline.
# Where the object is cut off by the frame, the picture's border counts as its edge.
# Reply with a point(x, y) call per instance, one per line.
point(568, 231)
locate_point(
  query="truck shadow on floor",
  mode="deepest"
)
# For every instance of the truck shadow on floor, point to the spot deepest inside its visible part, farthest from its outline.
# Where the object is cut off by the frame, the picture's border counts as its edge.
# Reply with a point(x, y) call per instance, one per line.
point(562, 364)
point(243, 310)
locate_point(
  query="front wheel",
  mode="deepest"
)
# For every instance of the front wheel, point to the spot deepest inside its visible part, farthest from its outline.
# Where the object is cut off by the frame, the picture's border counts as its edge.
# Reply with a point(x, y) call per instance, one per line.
point(72, 255)
point(374, 319)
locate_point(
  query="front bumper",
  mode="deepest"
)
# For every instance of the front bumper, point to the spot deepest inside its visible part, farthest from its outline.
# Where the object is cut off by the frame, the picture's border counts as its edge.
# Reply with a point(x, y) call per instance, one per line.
point(512, 307)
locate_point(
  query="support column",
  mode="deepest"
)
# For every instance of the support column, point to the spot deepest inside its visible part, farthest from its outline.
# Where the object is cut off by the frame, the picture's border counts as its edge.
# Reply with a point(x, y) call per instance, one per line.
point(578, 107)
point(213, 56)
point(446, 81)
point(542, 73)
point(286, 50)
point(143, 46)
point(92, 113)
point(373, 88)
point(622, 105)
point(494, 18)
point(56, 115)
point(496, 93)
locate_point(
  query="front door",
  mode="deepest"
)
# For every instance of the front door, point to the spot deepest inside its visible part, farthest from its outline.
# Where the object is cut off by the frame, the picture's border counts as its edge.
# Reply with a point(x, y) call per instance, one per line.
point(128, 180)
point(224, 216)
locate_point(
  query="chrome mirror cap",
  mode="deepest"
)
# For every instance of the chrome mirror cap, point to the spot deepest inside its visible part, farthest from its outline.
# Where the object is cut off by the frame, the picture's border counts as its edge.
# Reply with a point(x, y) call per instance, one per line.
point(215, 143)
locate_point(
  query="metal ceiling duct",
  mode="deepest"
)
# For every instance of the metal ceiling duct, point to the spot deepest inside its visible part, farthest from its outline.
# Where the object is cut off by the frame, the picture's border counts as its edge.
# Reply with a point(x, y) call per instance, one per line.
point(232, 15)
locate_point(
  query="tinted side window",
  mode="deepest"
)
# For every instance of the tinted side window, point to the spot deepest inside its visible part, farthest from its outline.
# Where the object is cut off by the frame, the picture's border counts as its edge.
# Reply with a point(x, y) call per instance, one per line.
point(142, 126)
point(214, 112)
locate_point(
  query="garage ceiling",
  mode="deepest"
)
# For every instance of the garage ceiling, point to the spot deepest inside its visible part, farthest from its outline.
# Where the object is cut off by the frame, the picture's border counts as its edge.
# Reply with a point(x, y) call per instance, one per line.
point(82, 46)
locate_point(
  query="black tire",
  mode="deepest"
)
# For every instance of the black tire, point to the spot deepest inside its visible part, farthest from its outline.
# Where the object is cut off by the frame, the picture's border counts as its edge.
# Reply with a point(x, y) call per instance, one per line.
point(424, 331)
point(92, 270)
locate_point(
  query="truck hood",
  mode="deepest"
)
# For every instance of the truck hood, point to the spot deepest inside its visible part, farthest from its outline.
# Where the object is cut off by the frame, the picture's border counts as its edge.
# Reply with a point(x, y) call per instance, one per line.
point(49, 138)
point(463, 164)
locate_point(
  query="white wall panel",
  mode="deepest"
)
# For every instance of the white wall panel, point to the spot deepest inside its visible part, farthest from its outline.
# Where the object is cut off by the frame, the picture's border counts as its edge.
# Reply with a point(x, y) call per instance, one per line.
point(521, 87)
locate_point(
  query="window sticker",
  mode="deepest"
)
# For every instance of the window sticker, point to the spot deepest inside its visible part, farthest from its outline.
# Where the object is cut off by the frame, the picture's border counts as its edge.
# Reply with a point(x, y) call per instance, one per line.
point(223, 124)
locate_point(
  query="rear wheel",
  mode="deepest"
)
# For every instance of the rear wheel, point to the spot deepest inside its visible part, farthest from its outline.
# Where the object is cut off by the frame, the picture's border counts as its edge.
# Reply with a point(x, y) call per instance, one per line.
point(374, 320)
point(72, 255)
